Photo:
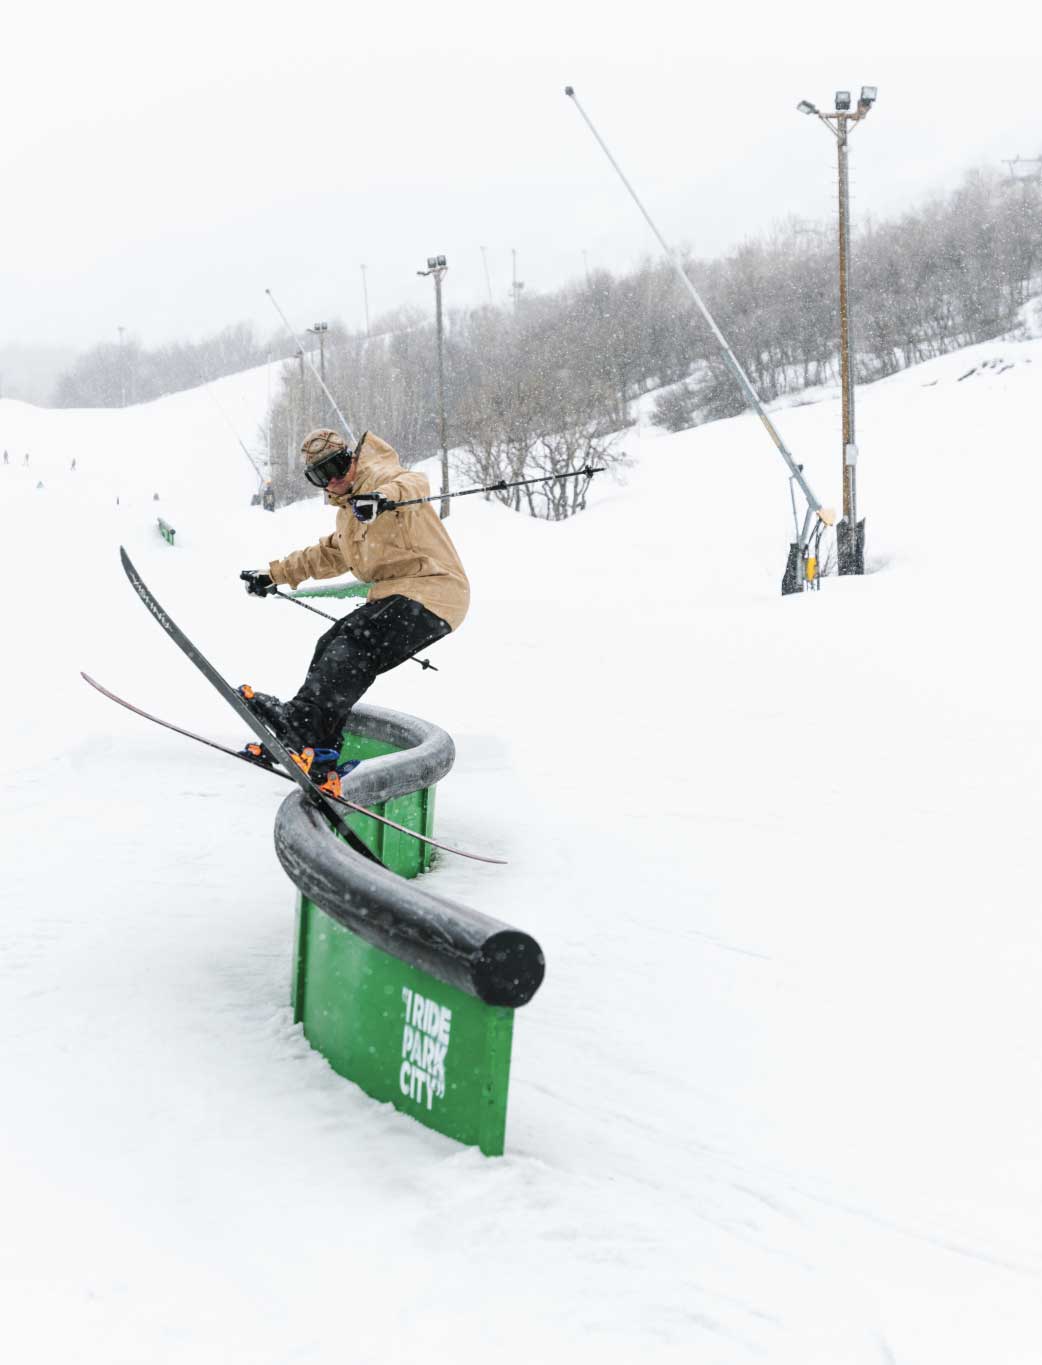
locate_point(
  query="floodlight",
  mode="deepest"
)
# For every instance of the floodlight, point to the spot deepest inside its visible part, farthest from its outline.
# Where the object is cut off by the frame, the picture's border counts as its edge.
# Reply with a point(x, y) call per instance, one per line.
point(805, 107)
point(842, 100)
point(868, 98)
point(441, 261)
point(432, 262)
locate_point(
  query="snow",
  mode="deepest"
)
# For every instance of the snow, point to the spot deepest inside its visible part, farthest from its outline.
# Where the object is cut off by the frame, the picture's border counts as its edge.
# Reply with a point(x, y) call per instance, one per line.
point(779, 1098)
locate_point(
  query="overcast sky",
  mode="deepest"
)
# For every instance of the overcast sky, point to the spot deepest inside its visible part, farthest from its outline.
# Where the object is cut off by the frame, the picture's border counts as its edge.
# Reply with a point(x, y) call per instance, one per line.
point(163, 164)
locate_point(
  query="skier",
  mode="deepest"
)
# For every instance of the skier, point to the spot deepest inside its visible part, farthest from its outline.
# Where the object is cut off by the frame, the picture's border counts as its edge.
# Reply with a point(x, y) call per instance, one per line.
point(420, 590)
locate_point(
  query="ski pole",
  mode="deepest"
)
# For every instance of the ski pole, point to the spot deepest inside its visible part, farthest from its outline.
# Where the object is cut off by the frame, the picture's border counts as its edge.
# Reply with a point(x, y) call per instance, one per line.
point(424, 663)
point(497, 487)
point(304, 354)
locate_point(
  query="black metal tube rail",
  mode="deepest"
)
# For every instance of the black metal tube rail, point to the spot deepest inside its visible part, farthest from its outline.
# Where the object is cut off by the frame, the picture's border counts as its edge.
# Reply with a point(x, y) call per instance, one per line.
point(474, 952)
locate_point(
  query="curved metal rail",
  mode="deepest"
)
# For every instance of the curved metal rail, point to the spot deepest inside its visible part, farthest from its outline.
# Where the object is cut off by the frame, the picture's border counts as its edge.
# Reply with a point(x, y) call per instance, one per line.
point(474, 952)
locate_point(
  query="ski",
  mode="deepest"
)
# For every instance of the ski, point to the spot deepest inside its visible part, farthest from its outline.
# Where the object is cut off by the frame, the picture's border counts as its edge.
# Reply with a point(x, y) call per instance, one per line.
point(322, 802)
point(277, 772)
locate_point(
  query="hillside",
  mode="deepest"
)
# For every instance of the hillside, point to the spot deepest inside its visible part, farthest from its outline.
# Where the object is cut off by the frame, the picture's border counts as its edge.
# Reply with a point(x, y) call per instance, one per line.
point(779, 1099)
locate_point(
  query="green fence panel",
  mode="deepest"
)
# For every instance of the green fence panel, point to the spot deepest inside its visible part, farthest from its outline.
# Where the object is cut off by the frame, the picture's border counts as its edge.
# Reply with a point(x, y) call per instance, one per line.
point(434, 1052)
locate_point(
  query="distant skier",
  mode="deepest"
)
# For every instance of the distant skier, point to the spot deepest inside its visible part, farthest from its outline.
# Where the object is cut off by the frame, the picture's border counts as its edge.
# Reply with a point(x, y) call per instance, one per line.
point(26, 460)
point(72, 467)
point(420, 590)
point(6, 460)
point(268, 496)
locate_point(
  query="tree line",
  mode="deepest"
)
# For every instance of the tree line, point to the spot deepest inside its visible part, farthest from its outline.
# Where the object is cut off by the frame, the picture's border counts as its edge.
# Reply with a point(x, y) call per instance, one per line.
point(542, 388)
point(545, 387)
point(116, 374)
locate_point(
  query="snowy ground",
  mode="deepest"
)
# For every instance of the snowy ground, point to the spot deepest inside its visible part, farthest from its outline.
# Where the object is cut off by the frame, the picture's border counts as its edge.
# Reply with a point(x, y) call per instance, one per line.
point(779, 1099)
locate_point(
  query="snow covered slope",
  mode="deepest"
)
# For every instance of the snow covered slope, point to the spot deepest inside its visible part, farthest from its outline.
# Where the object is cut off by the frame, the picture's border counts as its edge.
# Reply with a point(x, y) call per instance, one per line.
point(779, 1099)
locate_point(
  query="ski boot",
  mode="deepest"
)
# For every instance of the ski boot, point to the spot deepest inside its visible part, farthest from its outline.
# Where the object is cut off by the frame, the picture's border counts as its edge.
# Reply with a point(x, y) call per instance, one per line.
point(273, 713)
point(324, 768)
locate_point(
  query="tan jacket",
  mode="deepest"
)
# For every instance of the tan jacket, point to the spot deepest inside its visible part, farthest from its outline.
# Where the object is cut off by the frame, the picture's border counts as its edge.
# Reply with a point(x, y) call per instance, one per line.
point(407, 552)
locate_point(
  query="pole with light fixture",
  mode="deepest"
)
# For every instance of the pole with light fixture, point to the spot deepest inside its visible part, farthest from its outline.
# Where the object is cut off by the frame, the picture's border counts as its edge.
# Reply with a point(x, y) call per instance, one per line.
point(850, 533)
point(436, 266)
point(319, 330)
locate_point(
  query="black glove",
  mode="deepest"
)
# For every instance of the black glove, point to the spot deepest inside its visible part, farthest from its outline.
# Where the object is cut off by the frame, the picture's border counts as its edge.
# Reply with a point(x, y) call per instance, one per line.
point(258, 582)
point(368, 506)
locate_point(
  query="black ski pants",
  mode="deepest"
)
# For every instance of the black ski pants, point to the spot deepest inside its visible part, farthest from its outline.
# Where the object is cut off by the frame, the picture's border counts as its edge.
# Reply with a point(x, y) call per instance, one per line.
point(372, 639)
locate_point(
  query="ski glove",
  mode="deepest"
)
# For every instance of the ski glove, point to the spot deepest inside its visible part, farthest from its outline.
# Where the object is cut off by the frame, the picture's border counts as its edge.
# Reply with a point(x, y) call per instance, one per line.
point(368, 506)
point(258, 582)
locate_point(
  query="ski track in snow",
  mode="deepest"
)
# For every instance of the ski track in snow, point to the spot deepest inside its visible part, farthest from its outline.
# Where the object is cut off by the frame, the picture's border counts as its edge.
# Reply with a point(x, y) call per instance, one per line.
point(779, 1097)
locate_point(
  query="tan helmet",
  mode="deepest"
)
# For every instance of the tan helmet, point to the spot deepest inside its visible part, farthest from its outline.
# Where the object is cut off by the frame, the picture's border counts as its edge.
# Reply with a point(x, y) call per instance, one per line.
point(318, 444)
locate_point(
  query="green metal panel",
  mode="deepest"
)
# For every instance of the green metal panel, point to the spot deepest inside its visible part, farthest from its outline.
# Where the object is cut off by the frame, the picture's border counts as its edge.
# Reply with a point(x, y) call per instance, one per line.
point(432, 1051)
point(408, 857)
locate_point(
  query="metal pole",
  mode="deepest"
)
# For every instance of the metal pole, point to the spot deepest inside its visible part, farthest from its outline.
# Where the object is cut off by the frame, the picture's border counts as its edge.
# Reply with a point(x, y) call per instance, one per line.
point(850, 534)
point(122, 370)
point(846, 357)
point(300, 351)
point(516, 286)
point(744, 383)
point(441, 395)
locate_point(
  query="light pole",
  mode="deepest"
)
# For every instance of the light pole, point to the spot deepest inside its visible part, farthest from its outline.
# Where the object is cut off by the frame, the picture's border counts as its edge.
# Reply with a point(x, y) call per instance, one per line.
point(122, 370)
point(365, 299)
point(516, 284)
point(319, 330)
point(850, 533)
point(437, 267)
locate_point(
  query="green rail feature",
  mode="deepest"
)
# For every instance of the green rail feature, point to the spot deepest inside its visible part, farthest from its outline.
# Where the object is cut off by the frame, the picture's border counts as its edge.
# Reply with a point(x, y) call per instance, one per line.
point(400, 998)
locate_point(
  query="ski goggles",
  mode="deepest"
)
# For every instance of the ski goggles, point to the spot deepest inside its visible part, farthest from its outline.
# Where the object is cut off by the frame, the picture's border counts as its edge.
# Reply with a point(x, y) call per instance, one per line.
point(332, 466)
